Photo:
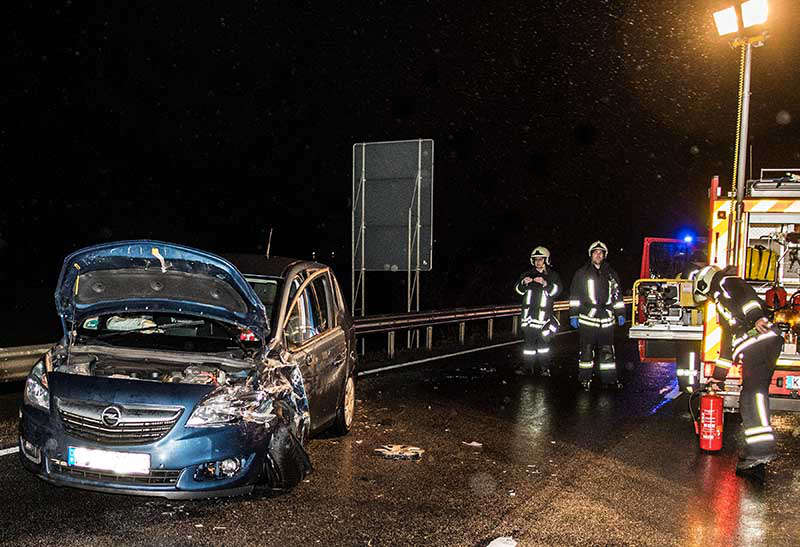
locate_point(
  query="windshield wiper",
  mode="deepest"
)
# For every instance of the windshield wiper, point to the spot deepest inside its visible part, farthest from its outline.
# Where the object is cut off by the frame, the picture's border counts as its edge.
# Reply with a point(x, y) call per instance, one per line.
point(154, 327)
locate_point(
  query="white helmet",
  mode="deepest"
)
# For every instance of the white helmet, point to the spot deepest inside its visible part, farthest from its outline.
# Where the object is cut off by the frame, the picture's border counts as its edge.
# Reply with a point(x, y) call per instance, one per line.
point(541, 252)
point(701, 283)
point(598, 245)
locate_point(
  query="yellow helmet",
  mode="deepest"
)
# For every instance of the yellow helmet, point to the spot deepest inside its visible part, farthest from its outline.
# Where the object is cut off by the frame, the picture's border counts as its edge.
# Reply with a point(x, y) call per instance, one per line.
point(541, 252)
point(701, 282)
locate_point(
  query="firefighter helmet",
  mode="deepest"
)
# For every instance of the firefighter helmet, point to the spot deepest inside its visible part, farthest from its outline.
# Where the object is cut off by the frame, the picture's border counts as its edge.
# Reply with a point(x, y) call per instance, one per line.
point(598, 245)
point(701, 283)
point(541, 252)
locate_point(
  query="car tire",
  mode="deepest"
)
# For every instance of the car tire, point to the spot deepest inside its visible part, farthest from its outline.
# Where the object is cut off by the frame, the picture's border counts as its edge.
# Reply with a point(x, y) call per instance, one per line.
point(286, 462)
point(346, 413)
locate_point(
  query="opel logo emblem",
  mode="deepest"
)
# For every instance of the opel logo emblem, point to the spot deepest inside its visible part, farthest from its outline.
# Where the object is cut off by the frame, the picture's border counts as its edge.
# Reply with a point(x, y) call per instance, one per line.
point(111, 416)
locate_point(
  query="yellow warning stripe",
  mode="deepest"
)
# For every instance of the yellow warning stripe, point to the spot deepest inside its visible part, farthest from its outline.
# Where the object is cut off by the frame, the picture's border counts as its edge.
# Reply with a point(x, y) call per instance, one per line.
point(772, 206)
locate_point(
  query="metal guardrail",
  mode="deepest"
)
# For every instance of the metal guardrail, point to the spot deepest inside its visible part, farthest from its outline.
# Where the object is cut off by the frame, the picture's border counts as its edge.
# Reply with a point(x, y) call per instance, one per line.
point(17, 361)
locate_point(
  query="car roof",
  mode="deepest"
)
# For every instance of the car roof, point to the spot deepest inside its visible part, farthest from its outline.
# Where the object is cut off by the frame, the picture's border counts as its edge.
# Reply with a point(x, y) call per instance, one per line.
point(273, 266)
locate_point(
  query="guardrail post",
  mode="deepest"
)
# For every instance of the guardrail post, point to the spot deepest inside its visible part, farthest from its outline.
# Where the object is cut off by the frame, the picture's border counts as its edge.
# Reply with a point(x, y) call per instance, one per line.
point(390, 348)
point(429, 338)
point(462, 327)
point(515, 325)
point(490, 329)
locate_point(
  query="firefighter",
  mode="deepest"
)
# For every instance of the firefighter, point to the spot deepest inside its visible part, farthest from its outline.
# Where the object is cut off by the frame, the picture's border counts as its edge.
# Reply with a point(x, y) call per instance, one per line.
point(595, 306)
point(539, 286)
point(750, 339)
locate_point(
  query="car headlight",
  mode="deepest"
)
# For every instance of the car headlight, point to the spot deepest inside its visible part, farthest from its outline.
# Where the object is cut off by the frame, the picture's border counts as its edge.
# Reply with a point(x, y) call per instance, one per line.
point(228, 405)
point(36, 392)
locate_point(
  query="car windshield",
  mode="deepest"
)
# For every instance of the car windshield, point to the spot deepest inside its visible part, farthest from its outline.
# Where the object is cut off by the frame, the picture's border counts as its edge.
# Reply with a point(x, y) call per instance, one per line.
point(266, 289)
point(668, 259)
point(165, 331)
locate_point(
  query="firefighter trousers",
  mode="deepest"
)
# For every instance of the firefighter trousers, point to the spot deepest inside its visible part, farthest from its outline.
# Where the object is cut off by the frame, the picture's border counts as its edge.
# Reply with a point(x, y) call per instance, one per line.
point(597, 350)
point(758, 365)
point(536, 349)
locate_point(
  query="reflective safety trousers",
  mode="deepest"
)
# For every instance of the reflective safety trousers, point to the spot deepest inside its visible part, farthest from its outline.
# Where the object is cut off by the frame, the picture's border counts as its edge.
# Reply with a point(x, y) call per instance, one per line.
point(597, 352)
point(758, 364)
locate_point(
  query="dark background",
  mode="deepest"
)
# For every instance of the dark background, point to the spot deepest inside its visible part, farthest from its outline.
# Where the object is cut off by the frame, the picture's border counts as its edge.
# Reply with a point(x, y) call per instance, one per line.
point(207, 123)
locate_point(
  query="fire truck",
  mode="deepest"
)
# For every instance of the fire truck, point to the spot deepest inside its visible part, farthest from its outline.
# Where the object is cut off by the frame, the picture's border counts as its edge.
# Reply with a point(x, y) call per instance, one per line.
point(763, 247)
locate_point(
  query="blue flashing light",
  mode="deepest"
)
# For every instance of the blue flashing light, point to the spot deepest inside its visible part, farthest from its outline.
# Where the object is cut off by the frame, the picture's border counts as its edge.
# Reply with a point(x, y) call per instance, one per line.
point(687, 236)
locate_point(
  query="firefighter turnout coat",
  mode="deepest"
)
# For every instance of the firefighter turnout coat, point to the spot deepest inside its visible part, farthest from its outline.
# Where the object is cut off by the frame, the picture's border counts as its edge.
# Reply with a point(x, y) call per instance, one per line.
point(596, 296)
point(537, 300)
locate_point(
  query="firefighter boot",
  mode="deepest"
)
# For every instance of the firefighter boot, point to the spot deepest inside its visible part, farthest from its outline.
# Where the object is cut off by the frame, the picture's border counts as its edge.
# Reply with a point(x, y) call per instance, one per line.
point(544, 361)
point(606, 362)
point(751, 462)
point(586, 385)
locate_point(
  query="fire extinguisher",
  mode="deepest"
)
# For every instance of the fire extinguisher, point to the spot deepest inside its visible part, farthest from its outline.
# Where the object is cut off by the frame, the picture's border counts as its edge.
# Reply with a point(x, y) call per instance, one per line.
point(708, 425)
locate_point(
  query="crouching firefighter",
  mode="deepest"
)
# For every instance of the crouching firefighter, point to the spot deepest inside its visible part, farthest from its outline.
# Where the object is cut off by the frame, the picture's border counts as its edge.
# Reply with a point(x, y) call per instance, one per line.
point(596, 305)
point(539, 287)
point(750, 339)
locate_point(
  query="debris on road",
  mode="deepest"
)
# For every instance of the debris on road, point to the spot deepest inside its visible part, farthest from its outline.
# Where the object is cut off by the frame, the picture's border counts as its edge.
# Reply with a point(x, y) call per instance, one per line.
point(473, 444)
point(504, 541)
point(400, 452)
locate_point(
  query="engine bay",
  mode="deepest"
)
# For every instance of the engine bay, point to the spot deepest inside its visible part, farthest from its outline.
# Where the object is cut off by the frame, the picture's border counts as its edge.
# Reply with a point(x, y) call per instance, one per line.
point(99, 365)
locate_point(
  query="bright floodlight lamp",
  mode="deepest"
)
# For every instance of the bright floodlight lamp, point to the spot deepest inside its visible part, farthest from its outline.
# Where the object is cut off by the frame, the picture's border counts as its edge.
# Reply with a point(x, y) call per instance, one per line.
point(754, 12)
point(726, 21)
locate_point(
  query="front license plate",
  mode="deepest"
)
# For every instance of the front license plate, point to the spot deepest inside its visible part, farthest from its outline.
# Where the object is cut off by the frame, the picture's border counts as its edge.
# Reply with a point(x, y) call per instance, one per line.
point(793, 382)
point(121, 463)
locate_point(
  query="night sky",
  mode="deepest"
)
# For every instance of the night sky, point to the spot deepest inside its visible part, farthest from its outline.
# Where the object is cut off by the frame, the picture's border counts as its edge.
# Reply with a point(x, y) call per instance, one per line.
point(555, 123)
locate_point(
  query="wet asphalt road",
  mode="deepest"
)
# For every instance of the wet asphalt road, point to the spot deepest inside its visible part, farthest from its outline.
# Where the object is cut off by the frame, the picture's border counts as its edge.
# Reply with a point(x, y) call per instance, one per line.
point(557, 466)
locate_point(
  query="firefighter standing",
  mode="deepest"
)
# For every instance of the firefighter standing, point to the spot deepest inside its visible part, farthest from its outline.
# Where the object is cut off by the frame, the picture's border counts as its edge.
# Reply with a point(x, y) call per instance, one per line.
point(539, 287)
point(595, 306)
point(749, 338)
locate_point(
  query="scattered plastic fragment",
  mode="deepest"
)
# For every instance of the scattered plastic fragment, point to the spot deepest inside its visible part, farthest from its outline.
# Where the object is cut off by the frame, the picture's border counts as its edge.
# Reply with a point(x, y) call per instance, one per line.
point(473, 444)
point(198, 525)
point(504, 541)
point(400, 452)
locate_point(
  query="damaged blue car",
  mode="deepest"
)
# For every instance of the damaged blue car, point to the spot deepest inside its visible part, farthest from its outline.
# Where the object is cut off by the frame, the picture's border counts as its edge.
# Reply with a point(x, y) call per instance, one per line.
point(179, 376)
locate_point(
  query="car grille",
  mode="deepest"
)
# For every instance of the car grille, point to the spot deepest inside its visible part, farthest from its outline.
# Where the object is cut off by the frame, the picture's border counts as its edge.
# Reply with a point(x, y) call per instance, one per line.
point(157, 477)
point(137, 424)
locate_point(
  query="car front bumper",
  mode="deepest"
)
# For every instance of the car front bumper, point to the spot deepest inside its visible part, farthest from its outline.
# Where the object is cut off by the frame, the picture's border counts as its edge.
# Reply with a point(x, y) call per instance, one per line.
point(175, 459)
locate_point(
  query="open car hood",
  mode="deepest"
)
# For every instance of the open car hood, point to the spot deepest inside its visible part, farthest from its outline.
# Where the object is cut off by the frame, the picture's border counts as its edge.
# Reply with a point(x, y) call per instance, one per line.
point(156, 276)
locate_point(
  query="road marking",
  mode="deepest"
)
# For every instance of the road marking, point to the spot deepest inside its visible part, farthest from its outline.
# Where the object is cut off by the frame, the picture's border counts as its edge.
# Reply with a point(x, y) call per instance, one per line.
point(402, 365)
point(7, 451)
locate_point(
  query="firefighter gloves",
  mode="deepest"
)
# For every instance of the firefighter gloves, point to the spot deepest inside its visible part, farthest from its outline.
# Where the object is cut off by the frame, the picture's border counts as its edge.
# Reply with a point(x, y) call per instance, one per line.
point(573, 321)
